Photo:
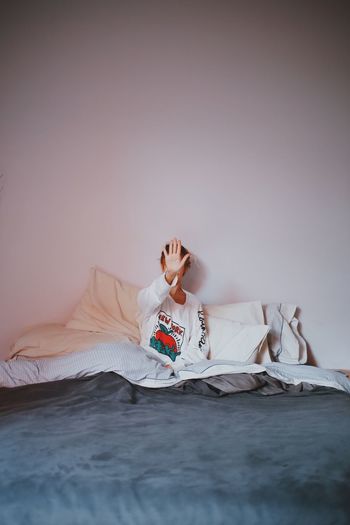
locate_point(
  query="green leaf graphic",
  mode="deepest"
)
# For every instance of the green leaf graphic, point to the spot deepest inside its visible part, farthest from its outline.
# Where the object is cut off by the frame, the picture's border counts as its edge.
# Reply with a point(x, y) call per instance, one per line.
point(164, 328)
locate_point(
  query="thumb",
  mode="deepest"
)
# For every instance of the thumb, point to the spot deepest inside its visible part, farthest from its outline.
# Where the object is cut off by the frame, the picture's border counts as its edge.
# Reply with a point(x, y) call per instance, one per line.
point(184, 259)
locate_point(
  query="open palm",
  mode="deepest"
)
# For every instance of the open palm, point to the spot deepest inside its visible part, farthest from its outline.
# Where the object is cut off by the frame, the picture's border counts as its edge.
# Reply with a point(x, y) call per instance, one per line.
point(173, 260)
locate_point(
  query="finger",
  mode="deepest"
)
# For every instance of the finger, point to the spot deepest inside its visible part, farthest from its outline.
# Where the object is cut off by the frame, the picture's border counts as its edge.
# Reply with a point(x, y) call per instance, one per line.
point(173, 249)
point(179, 247)
point(184, 259)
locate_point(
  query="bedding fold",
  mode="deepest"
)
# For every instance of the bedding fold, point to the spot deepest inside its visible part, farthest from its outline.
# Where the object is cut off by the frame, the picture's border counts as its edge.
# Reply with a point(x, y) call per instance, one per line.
point(138, 366)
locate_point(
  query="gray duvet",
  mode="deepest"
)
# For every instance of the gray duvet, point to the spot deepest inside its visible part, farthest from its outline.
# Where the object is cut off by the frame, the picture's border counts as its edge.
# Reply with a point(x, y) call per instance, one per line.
point(235, 449)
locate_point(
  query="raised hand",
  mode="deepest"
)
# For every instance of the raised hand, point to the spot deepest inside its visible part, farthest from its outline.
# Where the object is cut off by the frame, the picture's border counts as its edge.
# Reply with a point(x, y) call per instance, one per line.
point(173, 260)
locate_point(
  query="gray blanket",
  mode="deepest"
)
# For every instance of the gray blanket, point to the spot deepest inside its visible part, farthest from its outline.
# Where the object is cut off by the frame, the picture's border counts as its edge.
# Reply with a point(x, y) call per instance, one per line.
point(100, 449)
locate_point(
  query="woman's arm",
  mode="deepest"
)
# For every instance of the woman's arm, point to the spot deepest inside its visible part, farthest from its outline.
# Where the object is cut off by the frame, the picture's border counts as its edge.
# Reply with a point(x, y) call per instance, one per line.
point(150, 298)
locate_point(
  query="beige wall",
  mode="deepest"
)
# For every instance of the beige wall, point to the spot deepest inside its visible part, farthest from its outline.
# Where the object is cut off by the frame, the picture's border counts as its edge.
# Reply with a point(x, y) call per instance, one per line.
point(223, 123)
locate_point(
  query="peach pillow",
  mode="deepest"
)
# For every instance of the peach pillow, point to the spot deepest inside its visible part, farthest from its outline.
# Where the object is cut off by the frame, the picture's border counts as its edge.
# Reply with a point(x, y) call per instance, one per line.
point(108, 305)
point(53, 339)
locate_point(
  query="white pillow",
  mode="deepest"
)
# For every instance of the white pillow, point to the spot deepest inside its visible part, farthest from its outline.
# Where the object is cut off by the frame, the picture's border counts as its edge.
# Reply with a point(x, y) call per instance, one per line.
point(234, 341)
point(249, 313)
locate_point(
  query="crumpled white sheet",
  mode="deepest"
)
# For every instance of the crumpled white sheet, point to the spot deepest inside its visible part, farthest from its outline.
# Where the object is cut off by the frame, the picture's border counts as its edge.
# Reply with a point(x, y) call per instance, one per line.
point(134, 364)
point(291, 374)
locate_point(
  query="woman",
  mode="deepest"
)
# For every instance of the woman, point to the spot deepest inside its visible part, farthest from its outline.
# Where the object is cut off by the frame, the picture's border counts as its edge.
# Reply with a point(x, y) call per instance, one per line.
point(172, 331)
point(171, 320)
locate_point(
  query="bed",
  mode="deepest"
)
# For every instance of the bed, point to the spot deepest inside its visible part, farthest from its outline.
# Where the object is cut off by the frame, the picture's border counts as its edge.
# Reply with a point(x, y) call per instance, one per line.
point(101, 450)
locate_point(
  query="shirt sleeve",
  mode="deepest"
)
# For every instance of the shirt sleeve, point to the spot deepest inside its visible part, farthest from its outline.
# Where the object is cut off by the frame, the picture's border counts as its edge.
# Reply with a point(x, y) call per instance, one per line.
point(198, 345)
point(150, 298)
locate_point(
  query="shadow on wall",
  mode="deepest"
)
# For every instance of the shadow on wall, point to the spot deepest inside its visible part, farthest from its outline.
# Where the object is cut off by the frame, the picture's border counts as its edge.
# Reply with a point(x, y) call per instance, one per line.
point(195, 278)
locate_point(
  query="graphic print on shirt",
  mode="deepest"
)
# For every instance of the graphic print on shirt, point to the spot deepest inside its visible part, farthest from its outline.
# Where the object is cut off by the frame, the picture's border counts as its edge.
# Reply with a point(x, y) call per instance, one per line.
point(167, 336)
point(202, 339)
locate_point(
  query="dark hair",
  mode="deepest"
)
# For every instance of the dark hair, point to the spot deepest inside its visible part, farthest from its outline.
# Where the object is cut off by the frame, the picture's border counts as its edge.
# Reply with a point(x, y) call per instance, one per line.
point(184, 251)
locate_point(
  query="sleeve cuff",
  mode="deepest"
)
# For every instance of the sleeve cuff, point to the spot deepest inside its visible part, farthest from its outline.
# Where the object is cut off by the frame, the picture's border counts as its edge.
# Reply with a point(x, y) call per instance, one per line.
point(174, 282)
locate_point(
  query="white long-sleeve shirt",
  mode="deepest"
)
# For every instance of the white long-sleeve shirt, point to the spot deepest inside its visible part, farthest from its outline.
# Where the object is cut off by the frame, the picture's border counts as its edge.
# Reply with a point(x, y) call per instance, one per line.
point(173, 332)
